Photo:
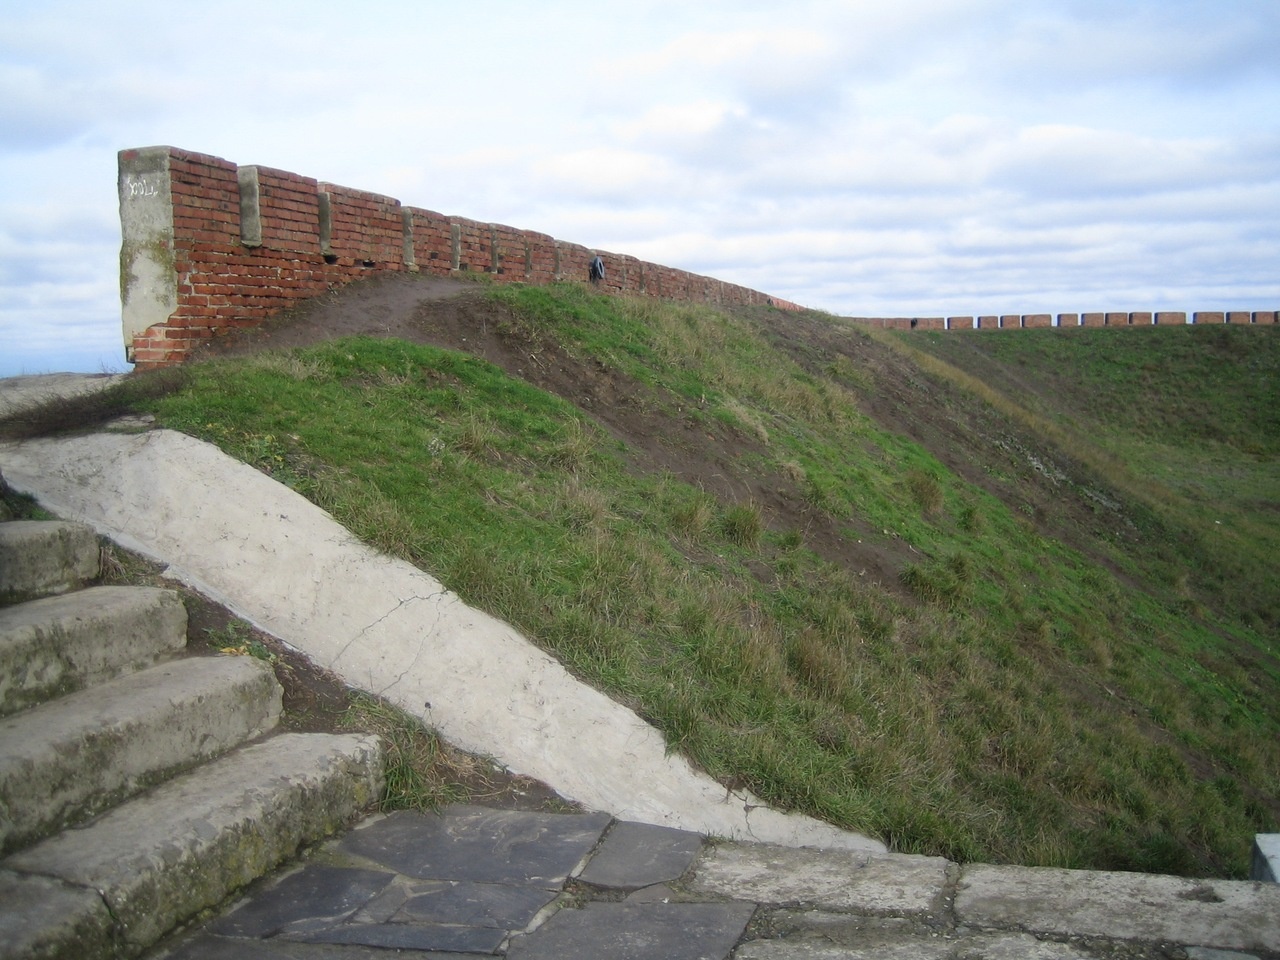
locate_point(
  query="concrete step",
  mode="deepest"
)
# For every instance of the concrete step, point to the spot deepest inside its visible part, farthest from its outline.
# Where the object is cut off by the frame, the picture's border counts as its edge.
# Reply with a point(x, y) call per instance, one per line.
point(116, 886)
point(43, 557)
point(61, 644)
point(67, 759)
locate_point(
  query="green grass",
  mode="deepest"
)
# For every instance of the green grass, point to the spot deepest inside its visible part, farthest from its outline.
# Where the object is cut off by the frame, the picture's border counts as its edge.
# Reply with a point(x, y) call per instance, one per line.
point(420, 771)
point(1014, 701)
point(1183, 422)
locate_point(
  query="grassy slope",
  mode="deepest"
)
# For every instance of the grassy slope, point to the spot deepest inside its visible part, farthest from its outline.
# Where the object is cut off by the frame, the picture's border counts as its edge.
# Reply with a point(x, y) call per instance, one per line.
point(1025, 701)
point(1184, 421)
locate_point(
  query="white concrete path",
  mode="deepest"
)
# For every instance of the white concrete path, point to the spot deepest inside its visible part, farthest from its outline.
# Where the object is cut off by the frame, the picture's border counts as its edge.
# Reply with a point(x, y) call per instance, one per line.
point(384, 626)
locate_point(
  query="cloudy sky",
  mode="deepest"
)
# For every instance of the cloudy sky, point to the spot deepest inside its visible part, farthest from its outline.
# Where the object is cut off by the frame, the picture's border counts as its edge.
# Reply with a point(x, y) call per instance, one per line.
point(866, 157)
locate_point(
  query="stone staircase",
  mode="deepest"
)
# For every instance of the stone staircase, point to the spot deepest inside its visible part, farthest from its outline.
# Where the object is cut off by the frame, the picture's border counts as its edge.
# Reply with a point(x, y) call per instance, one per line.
point(139, 786)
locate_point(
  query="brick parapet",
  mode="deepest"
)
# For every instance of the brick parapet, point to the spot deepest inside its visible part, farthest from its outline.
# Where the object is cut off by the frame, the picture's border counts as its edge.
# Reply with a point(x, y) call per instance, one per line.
point(363, 229)
point(1138, 318)
point(209, 247)
point(542, 257)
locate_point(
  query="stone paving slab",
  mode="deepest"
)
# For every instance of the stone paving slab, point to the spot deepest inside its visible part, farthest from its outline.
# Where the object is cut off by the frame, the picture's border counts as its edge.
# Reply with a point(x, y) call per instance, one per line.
point(480, 844)
point(217, 948)
point(1012, 946)
point(625, 931)
point(499, 905)
point(819, 935)
point(637, 855)
point(460, 882)
point(408, 936)
point(1224, 914)
point(354, 901)
point(1265, 861)
point(31, 390)
point(834, 879)
point(313, 893)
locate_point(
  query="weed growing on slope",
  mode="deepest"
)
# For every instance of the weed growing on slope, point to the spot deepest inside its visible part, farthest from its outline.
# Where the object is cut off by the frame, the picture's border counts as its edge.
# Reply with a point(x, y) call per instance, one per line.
point(743, 524)
point(421, 772)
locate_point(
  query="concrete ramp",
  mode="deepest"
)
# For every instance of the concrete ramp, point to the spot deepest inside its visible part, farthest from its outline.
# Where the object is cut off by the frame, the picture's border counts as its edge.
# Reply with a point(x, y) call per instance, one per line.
point(384, 626)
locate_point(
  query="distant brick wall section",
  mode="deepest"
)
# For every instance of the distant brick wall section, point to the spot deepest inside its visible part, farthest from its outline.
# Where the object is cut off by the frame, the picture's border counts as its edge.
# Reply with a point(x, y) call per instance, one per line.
point(1028, 321)
point(209, 247)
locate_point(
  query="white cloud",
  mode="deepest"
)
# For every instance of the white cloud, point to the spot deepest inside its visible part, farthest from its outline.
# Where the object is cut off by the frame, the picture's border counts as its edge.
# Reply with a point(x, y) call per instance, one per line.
point(678, 123)
point(1176, 43)
point(949, 156)
point(604, 174)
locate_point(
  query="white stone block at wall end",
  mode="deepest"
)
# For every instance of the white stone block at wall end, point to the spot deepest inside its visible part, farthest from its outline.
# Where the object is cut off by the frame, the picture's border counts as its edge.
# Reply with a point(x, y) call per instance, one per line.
point(148, 283)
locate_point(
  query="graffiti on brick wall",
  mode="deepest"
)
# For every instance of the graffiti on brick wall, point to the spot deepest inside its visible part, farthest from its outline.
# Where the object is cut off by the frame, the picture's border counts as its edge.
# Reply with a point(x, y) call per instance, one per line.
point(141, 185)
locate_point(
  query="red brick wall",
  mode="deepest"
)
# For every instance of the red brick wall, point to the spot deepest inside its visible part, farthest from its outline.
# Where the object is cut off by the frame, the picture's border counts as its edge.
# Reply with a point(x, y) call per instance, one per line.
point(512, 259)
point(573, 261)
point(366, 229)
point(470, 245)
point(432, 247)
point(246, 243)
point(542, 257)
point(290, 211)
point(234, 269)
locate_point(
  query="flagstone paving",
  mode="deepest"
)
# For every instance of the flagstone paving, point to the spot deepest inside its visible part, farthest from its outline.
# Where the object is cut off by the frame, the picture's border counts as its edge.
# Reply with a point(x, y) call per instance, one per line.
point(475, 882)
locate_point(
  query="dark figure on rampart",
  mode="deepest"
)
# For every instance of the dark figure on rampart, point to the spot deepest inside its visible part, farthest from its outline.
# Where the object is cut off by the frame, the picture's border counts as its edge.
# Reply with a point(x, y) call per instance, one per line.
point(597, 269)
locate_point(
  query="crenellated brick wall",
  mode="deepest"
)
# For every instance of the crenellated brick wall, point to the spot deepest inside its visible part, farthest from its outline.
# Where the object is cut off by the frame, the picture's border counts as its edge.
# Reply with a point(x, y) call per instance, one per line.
point(209, 246)
point(1014, 321)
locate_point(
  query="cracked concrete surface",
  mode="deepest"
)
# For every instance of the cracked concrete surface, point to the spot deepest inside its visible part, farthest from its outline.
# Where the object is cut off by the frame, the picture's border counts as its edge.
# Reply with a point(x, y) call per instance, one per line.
point(383, 625)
